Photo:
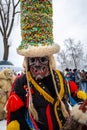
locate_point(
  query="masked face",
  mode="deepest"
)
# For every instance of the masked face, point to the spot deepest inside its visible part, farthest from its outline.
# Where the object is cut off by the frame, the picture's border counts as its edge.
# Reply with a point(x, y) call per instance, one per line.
point(39, 67)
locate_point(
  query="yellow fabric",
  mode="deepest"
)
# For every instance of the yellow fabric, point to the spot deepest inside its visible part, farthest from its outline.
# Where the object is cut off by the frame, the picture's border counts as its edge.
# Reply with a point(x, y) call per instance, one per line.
point(82, 95)
point(47, 96)
point(40, 90)
point(13, 125)
point(56, 114)
point(61, 93)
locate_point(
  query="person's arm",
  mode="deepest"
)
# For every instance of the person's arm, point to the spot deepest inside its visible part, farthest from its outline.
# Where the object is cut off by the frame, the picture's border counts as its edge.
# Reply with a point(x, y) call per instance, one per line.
point(16, 106)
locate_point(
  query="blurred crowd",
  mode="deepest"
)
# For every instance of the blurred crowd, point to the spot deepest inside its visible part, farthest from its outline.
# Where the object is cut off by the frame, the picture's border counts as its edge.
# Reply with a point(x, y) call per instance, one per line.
point(77, 84)
point(77, 76)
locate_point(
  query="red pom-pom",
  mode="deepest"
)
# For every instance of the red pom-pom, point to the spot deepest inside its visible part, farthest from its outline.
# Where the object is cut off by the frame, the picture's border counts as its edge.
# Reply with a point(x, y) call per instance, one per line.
point(73, 87)
point(14, 103)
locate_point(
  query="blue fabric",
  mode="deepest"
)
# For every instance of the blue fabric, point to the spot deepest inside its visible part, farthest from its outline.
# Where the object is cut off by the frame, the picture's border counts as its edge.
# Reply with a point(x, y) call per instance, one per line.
point(29, 121)
point(72, 101)
point(84, 86)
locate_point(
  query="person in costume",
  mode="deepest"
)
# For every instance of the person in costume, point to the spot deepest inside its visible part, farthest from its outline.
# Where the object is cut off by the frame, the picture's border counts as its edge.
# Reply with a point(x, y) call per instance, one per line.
point(6, 79)
point(39, 97)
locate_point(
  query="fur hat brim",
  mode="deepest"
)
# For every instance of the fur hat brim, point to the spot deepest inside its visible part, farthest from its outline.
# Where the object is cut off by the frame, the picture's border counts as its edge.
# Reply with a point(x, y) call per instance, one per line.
point(39, 51)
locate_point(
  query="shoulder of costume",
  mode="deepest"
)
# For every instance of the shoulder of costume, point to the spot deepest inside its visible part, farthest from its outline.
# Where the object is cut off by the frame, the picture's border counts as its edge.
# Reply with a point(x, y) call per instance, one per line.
point(58, 71)
point(20, 80)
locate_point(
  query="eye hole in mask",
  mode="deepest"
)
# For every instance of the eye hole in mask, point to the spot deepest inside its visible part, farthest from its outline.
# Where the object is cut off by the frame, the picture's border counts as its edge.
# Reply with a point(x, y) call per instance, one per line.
point(42, 60)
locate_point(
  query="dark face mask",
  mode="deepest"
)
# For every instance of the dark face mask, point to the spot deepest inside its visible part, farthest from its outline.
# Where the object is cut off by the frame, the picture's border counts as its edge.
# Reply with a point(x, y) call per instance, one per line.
point(39, 67)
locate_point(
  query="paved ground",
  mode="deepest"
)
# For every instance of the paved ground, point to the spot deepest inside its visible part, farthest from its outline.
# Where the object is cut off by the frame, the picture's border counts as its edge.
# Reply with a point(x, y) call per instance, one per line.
point(3, 125)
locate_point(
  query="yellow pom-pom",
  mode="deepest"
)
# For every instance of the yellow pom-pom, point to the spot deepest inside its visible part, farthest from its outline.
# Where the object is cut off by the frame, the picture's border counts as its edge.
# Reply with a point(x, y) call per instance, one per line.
point(82, 95)
point(13, 125)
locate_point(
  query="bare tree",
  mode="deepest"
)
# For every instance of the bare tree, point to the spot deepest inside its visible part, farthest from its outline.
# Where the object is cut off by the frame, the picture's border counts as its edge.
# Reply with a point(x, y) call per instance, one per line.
point(62, 59)
point(74, 51)
point(8, 10)
point(72, 55)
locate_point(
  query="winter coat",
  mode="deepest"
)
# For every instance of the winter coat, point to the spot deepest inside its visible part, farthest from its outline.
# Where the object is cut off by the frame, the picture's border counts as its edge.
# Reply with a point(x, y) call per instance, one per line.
point(83, 77)
point(51, 117)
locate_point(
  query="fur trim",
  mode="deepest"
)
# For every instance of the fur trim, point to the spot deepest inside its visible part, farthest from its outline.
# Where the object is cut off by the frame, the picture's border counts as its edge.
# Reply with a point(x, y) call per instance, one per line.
point(79, 115)
point(52, 62)
point(33, 51)
point(7, 74)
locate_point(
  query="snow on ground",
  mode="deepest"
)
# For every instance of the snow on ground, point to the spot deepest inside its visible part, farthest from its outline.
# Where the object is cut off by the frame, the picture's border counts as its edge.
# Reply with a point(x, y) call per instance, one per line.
point(3, 125)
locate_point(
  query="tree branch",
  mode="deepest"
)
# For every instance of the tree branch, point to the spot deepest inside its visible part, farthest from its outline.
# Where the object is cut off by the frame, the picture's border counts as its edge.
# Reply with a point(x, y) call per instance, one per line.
point(8, 10)
point(1, 31)
point(17, 3)
point(13, 15)
point(17, 12)
point(2, 20)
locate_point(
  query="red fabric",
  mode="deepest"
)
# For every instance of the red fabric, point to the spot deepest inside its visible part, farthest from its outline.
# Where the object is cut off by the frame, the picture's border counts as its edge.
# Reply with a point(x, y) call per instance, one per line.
point(27, 94)
point(84, 127)
point(8, 112)
point(8, 118)
point(34, 123)
point(27, 100)
point(14, 103)
point(32, 91)
point(49, 119)
point(73, 87)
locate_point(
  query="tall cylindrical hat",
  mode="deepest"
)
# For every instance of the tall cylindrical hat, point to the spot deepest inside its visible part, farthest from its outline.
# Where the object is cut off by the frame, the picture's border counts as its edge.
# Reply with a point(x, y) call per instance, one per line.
point(37, 29)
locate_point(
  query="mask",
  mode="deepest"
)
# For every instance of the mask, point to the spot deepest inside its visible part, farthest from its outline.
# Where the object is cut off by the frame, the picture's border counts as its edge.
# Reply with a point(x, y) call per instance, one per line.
point(39, 67)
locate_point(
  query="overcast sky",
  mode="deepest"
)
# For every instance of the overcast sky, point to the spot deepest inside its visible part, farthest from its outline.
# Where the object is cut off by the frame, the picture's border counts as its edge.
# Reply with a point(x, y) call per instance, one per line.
point(69, 20)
